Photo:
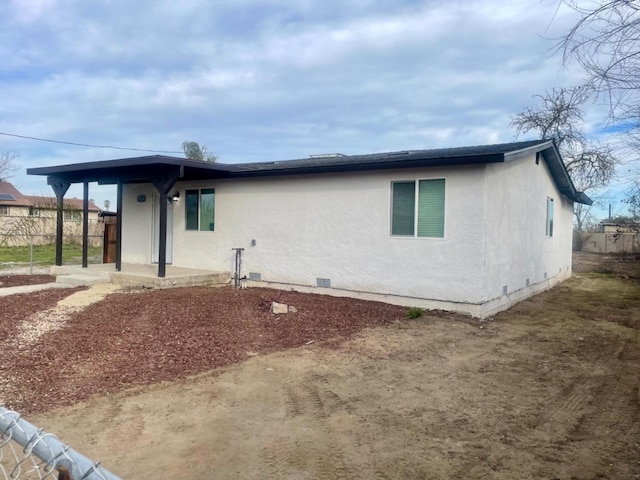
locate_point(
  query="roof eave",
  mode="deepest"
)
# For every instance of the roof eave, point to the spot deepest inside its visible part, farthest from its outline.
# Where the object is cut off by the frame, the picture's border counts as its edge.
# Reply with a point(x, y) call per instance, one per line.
point(516, 154)
point(559, 172)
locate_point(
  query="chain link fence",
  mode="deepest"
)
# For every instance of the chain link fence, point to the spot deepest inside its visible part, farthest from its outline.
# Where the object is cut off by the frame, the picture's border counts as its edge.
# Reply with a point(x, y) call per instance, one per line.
point(27, 452)
point(31, 251)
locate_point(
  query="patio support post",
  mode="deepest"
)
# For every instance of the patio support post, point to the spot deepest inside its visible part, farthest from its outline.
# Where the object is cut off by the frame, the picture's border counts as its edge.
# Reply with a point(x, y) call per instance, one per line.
point(85, 224)
point(163, 185)
point(59, 188)
point(119, 227)
point(162, 236)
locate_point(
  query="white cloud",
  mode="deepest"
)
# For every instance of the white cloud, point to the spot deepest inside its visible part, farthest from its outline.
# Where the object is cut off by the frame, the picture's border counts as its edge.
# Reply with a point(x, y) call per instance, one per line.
point(270, 79)
point(28, 11)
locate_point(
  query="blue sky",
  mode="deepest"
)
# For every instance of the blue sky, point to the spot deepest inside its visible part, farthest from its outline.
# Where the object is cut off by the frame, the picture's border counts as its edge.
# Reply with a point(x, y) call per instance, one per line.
point(260, 80)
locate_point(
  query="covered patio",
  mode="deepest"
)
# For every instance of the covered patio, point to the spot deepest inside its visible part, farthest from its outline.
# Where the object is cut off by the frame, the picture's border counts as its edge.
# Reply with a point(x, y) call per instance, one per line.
point(161, 171)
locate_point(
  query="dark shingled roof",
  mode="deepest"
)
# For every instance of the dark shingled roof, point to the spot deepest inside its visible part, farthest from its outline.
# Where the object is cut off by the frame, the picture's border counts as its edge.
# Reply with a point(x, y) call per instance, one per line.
point(139, 169)
point(439, 156)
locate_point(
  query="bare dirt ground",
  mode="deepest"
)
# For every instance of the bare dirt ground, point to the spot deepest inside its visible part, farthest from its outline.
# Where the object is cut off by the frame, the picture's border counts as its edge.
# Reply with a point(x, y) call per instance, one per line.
point(205, 384)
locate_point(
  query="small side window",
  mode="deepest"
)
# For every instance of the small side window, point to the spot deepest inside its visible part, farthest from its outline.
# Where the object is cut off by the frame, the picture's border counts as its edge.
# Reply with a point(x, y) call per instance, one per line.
point(549, 231)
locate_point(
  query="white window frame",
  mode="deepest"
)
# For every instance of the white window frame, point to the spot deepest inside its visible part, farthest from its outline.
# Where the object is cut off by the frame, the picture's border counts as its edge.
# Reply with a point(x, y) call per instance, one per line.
point(72, 215)
point(4, 210)
point(549, 215)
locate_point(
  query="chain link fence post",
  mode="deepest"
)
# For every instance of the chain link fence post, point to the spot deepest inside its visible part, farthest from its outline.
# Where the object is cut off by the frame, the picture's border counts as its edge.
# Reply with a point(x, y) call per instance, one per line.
point(42, 454)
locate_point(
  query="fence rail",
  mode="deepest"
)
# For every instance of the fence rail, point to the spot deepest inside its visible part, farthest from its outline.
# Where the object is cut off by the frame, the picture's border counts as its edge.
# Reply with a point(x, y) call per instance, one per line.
point(27, 452)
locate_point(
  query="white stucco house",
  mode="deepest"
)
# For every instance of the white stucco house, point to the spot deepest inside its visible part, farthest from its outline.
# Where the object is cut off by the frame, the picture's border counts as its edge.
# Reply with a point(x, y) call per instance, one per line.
point(471, 229)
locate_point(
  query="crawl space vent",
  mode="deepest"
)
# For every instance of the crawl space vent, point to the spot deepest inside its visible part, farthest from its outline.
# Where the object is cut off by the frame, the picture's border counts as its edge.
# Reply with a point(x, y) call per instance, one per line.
point(255, 276)
point(323, 282)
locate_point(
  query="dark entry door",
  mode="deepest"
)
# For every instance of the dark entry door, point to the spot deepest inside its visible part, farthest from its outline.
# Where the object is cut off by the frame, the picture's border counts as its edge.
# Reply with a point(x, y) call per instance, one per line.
point(109, 250)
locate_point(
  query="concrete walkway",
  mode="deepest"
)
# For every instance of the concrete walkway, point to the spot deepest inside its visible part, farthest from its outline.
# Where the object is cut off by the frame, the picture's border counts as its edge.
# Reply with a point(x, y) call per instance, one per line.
point(132, 275)
point(31, 288)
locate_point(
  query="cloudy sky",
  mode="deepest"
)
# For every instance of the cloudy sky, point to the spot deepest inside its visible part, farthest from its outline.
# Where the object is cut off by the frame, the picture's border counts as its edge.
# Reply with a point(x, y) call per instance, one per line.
point(267, 80)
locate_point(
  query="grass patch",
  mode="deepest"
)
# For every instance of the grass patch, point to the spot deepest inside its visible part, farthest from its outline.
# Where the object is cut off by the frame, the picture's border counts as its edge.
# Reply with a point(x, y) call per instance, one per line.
point(46, 254)
point(414, 312)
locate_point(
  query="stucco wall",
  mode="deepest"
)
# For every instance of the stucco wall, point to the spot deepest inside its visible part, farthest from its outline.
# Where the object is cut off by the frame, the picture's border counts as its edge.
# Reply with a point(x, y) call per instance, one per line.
point(517, 247)
point(137, 221)
point(329, 226)
point(337, 226)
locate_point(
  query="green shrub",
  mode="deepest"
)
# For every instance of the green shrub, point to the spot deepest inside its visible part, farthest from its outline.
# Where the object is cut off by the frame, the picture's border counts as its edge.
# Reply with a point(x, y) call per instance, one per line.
point(414, 312)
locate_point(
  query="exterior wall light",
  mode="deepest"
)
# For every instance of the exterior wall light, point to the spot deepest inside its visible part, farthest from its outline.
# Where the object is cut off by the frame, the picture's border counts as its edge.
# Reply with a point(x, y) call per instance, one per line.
point(175, 197)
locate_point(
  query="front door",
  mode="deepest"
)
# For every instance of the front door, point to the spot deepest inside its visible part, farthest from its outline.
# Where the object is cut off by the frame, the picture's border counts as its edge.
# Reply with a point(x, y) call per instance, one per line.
point(156, 229)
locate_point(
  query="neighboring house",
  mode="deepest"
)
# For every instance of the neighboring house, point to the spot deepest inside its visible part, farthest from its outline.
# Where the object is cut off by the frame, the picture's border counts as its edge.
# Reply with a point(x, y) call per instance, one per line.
point(621, 225)
point(472, 229)
point(12, 202)
point(620, 235)
point(23, 216)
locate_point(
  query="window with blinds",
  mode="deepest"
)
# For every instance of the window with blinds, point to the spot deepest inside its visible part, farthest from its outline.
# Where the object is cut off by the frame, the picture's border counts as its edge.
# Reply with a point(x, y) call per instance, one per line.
point(417, 208)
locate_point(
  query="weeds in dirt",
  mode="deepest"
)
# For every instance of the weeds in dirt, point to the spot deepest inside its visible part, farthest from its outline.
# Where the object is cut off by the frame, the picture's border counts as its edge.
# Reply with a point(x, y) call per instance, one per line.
point(414, 312)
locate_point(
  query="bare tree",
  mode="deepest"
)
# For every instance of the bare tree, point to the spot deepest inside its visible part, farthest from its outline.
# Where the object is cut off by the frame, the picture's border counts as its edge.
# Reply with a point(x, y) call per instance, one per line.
point(605, 42)
point(7, 165)
point(193, 151)
point(633, 200)
point(558, 115)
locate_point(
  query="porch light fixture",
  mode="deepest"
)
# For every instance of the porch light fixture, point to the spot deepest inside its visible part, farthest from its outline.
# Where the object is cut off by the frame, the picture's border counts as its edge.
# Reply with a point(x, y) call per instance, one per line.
point(175, 197)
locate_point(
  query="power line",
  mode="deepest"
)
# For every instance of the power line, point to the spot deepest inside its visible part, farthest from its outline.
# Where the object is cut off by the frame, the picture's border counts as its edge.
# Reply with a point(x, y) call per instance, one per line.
point(87, 145)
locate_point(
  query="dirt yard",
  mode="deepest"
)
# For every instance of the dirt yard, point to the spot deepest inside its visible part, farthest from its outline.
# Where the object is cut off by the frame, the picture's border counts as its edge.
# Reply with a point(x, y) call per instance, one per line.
point(206, 384)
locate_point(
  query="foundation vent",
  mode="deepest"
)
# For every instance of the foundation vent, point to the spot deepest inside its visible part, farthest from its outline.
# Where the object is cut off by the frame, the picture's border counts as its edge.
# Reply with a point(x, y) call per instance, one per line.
point(545, 274)
point(505, 290)
point(527, 282)
point(255, 276)
point(323, 282)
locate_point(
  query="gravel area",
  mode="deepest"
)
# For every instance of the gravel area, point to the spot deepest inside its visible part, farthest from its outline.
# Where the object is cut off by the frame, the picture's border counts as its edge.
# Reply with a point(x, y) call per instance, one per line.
point(145, 337)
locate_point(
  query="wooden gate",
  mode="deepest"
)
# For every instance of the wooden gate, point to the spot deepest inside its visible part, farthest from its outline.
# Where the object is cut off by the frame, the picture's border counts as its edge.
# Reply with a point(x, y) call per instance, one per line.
point(109, 250)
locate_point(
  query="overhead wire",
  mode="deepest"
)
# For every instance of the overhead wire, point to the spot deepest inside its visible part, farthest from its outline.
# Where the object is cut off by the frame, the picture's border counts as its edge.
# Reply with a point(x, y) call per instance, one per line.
point(88, 145)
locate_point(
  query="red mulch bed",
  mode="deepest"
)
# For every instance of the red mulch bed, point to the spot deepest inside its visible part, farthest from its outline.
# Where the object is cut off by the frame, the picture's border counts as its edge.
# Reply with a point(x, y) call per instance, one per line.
point(147, 337)
point(19, 280)
point(15, 308)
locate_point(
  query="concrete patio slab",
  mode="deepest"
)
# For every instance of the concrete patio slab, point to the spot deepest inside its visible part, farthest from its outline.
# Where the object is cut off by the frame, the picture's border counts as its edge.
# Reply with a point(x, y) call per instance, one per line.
point(143, 276)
